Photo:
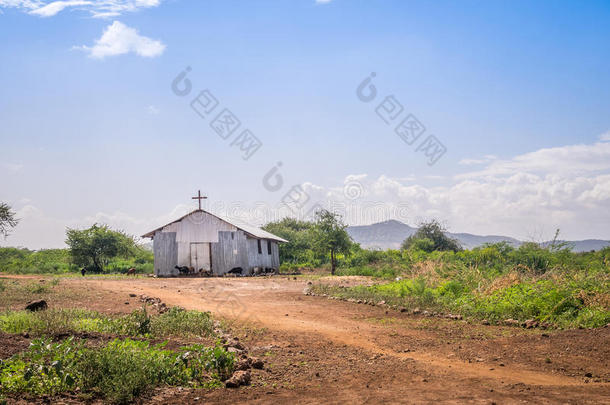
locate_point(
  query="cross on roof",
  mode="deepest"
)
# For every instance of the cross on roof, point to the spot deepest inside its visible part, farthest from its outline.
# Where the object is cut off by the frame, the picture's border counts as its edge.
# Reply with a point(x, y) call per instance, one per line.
point(199, 197)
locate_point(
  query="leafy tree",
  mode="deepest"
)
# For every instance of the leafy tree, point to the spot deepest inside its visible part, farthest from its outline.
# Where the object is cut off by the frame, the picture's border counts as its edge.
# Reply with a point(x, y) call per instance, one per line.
point(330, 236)
point(436, 237)
point(7, 219)
point(93, 247)
point(299, 236)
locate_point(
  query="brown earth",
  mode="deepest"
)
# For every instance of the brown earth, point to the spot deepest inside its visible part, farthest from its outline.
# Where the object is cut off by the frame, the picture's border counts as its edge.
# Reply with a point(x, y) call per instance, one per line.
point(318, 350)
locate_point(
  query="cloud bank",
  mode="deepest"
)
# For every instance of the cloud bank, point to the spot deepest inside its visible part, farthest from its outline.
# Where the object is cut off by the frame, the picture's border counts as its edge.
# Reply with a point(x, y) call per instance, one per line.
point(528, 195)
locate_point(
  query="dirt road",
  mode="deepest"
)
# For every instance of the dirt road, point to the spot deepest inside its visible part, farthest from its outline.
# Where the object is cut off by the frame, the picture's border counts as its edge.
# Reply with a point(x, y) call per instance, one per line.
point(325, 351)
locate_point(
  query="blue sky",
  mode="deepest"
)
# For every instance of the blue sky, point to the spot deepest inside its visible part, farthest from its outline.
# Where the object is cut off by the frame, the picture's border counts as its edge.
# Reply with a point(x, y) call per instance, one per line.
point(517, 92)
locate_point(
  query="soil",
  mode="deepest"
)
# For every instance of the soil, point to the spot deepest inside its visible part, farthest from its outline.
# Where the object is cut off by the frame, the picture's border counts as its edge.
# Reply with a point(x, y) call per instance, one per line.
point(320, 350)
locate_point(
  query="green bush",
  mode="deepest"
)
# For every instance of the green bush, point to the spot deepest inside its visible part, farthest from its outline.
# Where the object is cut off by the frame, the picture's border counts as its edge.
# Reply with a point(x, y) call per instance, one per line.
point(58, 261)
point(44, 369)
point(117, 372)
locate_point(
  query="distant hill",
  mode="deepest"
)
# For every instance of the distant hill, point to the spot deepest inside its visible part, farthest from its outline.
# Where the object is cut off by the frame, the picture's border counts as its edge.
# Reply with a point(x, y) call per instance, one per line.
point(390, 234)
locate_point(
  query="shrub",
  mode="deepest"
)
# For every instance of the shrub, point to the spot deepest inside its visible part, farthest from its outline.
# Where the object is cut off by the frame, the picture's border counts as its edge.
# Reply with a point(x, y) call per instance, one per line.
point(45, 368)
point(118, 372)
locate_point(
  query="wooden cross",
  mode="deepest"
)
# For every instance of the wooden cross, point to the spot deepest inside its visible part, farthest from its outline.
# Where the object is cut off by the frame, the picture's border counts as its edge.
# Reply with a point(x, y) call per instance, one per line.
point(199, 197)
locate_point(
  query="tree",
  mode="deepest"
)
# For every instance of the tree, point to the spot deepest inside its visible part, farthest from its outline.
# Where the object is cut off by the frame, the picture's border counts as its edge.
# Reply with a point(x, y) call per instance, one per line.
point(93, 247)
point(330, 236)
point(298, 234)
point(429, 237)
point(7, 219)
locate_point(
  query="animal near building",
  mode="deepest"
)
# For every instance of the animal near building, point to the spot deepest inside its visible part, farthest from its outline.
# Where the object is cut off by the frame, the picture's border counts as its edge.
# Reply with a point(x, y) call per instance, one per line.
point(203, 243)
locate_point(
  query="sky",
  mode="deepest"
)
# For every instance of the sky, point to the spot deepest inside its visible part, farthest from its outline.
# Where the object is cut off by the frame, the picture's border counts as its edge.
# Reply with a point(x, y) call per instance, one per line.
point(492, 117)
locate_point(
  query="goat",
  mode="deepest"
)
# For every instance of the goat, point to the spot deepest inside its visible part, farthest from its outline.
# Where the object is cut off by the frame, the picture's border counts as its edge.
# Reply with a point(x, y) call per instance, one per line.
point(183, 269)
point(131, 271)
point(236, 271)
point(205, 273)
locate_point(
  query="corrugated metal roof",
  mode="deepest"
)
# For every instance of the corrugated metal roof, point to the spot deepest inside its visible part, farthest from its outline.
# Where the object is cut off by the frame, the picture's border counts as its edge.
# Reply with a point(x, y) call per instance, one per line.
point(247, 228)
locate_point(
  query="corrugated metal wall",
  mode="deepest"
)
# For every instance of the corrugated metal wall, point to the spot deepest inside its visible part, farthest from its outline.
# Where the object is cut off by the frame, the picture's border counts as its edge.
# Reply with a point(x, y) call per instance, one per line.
point(264, 259)
point(229, 252)
point(166, 253)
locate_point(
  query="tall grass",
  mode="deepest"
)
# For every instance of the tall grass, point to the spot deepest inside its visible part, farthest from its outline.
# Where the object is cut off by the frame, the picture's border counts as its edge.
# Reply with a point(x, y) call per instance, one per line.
point(493, 282)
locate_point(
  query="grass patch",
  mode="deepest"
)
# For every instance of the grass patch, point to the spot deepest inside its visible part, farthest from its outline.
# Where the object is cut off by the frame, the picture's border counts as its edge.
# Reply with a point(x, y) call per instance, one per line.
point(175, 322)
point(117, 372)
point(564, 301)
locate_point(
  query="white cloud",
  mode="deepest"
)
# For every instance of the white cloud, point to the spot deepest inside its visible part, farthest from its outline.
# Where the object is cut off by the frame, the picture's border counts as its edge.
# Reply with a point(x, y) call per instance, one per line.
point(95, 8)
point(485, 159)
point(565, 187)
point(563, 159)
point(55, 7)
point(605, 136)
point(323, 1)
point(119, 39)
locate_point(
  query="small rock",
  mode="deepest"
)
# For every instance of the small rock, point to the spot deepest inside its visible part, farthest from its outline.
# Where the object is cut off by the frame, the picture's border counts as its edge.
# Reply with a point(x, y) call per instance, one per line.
point(39, 305)
point(235, 350)
point(589, 375)
point(234, 343)
point(530, 323)
point(258, 364)
point(238, 379)
point(485, 322)
point(132, 295)
point(417, 311)
point(243, 364)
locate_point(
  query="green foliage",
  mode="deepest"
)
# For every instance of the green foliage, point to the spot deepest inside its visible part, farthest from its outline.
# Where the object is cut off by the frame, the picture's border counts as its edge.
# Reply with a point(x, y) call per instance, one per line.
point(299, 248)
point(493, 282)
point(8, 219)
point(175, 322)
point(118, 372)
point(312, 244)
point(180, 322)
point(46, 368)
point(95, 246)
point(330, 236)
point(431, 236)
point(59, 261)
point(21, 260)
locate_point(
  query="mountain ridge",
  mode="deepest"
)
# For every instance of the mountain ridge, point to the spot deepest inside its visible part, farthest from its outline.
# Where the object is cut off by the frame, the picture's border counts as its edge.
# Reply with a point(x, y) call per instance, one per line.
point(390, 234)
